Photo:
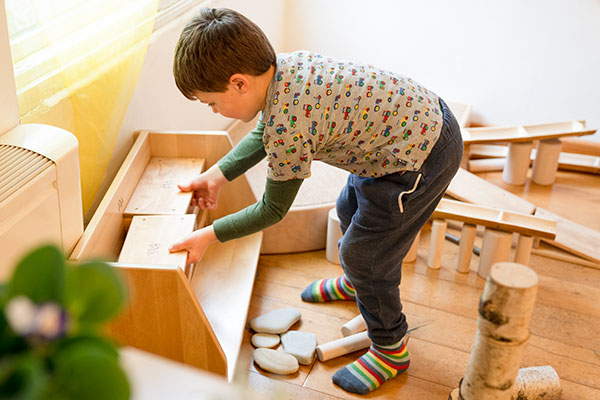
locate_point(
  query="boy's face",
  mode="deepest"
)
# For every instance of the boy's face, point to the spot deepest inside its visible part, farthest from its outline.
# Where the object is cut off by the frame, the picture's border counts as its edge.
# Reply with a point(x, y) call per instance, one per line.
point(233, 103)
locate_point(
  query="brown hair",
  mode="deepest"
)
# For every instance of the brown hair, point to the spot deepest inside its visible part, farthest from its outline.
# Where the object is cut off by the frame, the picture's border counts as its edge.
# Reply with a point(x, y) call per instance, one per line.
point(216, 44)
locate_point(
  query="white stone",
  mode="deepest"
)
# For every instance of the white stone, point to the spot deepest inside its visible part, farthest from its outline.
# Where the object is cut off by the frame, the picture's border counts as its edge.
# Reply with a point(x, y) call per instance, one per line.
point(277, 321)
point(301, 345)
point(275, 361)
point(264, 340)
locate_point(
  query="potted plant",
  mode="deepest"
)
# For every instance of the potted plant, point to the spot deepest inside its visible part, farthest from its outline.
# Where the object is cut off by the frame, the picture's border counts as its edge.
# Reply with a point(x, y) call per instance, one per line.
point(51, 341)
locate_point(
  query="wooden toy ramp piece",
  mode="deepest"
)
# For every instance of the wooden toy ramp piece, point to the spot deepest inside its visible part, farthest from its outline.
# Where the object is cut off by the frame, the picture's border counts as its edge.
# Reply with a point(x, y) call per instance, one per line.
point(164, 317)
point(470, 188)
point(222, 282)
point(461, 111)
point(163, 305)
point(573, 237)
point(149, 238)
point(524, 133)
point(156, 192)
point(525, 224)
point(492, 157)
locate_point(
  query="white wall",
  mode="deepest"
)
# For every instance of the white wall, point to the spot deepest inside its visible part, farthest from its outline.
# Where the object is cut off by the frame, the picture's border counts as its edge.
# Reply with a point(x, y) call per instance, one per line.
point(514, 61)
point(157, 103)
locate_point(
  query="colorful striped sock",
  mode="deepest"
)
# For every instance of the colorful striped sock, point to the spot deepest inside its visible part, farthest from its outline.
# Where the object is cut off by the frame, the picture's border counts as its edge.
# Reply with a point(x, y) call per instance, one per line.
point(378, 365)
point(323, 290)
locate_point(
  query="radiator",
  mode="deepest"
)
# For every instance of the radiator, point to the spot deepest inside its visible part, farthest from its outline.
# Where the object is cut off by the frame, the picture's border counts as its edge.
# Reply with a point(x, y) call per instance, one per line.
point(40, 192)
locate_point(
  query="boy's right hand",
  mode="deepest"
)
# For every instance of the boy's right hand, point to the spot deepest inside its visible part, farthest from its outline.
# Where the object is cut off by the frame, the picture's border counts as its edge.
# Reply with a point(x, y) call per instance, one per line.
point(206, 188)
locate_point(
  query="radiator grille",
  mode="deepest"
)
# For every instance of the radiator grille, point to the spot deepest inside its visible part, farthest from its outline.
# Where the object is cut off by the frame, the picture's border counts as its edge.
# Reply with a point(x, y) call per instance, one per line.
point(18, 167)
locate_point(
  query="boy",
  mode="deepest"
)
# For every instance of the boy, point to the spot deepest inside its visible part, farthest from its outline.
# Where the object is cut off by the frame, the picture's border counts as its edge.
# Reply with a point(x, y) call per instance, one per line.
point(399, 141)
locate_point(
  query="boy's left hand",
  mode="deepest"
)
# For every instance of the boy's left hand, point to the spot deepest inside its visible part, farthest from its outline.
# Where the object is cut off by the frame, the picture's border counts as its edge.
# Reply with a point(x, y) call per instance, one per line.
point(195, 243)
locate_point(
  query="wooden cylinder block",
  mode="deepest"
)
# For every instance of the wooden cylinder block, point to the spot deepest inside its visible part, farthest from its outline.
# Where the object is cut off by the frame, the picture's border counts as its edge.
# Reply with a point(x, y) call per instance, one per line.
point(438, 235)
point(343, 346)
point(411, 256)
point(495, 248)
point(355, 325)
point(545, 164)
point(504, 313)
point(523, 252)
point(465, 248)
point(334, 233)
point(517, 163)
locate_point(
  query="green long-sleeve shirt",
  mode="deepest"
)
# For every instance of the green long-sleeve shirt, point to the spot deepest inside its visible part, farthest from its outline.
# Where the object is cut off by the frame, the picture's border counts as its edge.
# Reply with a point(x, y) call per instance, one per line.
point(277, 198)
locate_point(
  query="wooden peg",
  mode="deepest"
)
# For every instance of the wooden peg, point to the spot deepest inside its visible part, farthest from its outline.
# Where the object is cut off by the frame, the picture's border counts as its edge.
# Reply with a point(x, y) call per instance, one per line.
point(438, 233)
point(545, 164)
point(411, 256)
point(355, 325)
point(517, 163)
point(523, 251)
point(495, 248)
point(465, 248)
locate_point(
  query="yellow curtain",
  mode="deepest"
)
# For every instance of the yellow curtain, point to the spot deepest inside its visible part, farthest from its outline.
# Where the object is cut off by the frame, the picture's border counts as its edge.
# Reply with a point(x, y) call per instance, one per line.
point(77, 63)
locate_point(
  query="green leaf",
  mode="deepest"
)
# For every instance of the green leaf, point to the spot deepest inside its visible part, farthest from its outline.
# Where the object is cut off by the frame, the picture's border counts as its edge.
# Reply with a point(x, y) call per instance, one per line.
point(40, 276)
point(88, 370)
point(94, 293)
point(22, 377)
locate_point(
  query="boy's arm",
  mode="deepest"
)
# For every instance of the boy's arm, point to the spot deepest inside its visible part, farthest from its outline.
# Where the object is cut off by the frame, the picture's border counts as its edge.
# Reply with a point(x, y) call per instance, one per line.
point(248, 152)
point(275, 203)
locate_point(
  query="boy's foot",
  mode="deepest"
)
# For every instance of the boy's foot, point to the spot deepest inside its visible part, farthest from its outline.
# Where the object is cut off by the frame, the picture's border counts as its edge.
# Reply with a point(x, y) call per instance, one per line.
point(378, 365)
point(323, 290)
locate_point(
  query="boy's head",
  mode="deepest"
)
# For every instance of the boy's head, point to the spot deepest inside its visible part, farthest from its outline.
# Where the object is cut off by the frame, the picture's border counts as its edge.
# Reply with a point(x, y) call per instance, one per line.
point(215, 45)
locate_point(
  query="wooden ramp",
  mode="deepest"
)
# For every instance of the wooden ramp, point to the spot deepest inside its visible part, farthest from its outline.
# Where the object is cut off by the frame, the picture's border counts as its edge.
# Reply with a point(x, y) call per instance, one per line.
point(573, 237)
point(525, 133)
point(470, 188)
point(200, 319)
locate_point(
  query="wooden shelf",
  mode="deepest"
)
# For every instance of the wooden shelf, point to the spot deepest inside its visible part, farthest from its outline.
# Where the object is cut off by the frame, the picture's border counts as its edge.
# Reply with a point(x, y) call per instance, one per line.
point(202, 326)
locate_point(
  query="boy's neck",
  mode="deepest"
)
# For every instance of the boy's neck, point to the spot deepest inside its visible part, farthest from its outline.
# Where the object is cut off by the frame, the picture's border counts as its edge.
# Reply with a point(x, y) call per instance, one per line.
point(263, 82)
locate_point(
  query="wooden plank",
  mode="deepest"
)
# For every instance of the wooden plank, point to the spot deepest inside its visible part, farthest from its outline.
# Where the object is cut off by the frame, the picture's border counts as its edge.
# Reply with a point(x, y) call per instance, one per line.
point(103, 237)
point(163, 317)
point(461, 111)
point(572, 237)
point(524, 133)
point(212, 146)
point(149, 238)
point(497, 219)
point(157, 194)
point(493, 158)
point(222, 281)
point(470, 188)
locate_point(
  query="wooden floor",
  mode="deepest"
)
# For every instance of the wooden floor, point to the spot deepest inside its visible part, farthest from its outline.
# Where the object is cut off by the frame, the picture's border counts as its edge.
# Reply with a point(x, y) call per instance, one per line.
point(441, 307)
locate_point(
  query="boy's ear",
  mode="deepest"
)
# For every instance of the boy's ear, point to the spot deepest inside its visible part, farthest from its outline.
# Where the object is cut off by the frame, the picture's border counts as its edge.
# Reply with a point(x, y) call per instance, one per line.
point(240, 82)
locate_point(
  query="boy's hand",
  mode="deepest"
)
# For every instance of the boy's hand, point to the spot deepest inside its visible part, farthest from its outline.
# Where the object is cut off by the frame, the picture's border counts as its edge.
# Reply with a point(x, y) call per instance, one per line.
point(195, 243)
point(206, 188)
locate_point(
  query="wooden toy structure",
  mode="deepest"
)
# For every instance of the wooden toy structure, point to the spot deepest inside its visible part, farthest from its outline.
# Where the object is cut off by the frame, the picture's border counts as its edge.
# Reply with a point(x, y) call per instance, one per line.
point(196, 319)
point(497, 239)
point(520, 139)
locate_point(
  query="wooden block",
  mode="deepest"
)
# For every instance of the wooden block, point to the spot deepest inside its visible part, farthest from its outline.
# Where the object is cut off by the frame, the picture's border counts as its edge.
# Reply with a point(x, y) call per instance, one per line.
point(573, 237)
point(517, 163)
point(157, 193)
point(411, 256)
point(523, 251)
point(334, 233)
point(461, 111)
point(495, 249)
point(465, 249)
point(545, 164)
point(470, 188)
point(524, 133)
point(355, 325)
point(496, 218)
point(150, 237)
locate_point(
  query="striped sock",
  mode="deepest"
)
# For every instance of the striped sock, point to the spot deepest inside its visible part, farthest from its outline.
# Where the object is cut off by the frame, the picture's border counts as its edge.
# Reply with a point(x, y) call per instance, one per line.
point(378, 365)
point(323, 290)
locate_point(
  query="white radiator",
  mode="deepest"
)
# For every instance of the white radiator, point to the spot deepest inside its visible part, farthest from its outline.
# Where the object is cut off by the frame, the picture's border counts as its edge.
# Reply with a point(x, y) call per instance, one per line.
point(40, 192)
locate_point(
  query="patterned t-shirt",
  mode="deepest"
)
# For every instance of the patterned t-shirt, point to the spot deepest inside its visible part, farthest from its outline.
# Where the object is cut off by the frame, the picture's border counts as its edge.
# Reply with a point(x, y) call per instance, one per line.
point(356, 117)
